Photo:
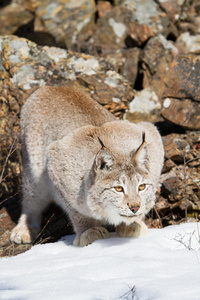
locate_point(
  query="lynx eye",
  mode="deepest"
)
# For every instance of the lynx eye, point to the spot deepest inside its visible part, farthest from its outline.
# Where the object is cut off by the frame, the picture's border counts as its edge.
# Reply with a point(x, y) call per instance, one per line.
point(119, 189)
point(141, 187)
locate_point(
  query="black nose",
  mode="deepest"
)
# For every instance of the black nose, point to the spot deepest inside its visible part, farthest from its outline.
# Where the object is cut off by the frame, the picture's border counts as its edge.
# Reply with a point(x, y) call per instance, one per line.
point(134, 207)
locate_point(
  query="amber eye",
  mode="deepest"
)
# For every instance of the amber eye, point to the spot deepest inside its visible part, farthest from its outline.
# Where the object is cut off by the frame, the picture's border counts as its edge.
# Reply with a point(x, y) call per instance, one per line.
point(142, 187)
point(119, 189)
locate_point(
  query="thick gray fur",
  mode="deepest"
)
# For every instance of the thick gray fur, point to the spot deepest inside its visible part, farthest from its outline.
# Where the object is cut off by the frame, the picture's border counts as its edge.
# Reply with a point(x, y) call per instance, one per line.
point(64, 161)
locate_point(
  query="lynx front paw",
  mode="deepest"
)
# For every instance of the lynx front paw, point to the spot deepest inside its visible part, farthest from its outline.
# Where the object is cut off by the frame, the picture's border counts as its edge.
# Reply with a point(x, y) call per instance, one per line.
point(134, 230)
point(90, 235)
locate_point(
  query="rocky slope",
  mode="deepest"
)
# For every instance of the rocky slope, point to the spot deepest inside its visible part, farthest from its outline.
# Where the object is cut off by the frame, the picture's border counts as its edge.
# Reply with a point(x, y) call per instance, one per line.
point(140, 59)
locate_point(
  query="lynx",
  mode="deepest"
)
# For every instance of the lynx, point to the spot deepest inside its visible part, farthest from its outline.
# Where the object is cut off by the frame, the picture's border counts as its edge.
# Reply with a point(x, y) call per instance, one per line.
point(99, 169)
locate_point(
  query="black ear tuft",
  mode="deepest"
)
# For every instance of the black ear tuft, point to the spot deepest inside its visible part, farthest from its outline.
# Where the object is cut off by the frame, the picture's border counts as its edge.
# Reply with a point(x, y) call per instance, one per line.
point(141, 156)
point(143, 137)
point(101, 143)
point(104, 159)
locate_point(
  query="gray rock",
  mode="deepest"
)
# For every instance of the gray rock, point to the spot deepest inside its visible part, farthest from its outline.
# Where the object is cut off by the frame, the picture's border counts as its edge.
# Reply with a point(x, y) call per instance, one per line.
point(68, 22)
point(145, 102)
point(133, 22)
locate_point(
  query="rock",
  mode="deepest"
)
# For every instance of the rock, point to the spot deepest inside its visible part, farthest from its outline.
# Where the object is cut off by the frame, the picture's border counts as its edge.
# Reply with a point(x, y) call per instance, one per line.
point(181, 148)
point(180, 194)
point(112, 28)
point(145, 101)
point(124, 61)
point(149, 13)
point(144, 106)
point(173, 8)
point(25, 67)
point(179, 199)
point(129, 68)
point(12, 17)
point(185, 77)
point(190, 19)
point(102, 86)
point(182, 112)
point(132, 23)
point(176, 148)
point(188, 43)
point(68, 22)
point(156, 62)
point(181, 103)
point(168, 165)
point(103, 7)
point(29, 5)
point(139, 34)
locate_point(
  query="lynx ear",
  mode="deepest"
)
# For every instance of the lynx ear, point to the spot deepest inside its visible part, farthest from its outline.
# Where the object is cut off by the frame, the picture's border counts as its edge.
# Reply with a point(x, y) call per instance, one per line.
point(141, 156)
point(104, 159)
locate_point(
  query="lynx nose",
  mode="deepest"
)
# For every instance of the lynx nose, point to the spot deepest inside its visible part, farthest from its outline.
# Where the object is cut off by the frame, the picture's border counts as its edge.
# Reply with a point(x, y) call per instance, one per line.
point(134, 207)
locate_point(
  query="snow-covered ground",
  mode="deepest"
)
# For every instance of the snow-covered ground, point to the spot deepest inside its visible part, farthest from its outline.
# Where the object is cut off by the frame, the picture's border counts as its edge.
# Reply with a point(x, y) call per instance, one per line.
point(157, 266)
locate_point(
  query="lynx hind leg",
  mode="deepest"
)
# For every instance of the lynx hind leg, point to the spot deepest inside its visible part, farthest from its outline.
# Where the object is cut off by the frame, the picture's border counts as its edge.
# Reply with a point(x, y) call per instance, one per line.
point(35, 199)
point(26, 230)
point(135, 229)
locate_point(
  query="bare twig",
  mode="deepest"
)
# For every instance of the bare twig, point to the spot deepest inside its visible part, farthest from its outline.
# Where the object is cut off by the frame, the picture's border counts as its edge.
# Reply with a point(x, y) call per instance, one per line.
point(130, 294)
point(185, 181)
point(9, 198)
point(6, 161)
point(187, 239)
point(43, 228)
point(160, 221)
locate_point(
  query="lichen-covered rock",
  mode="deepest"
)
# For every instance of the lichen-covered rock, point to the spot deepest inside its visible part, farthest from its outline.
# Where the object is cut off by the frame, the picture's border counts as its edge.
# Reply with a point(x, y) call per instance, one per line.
point(148, 13)
point(25, 67)
point(124, 61)
point(102, 86)
point(113, 27)
point(67, 21)
point(133, 23)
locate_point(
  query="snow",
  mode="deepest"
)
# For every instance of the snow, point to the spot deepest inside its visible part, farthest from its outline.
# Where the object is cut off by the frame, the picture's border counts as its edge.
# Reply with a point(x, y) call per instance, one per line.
point(157, 266)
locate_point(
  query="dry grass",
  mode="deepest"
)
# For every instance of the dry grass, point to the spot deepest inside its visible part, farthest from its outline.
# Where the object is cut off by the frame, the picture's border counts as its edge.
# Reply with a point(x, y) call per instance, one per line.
point(130, 295)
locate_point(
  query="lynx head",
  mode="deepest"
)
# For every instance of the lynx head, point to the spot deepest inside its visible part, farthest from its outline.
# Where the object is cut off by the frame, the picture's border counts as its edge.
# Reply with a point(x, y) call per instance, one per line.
point(122, 189)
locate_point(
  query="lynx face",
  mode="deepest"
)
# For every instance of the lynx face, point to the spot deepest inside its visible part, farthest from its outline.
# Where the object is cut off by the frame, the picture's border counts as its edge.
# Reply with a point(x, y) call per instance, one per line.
point(126, 199)
point(122, 192)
